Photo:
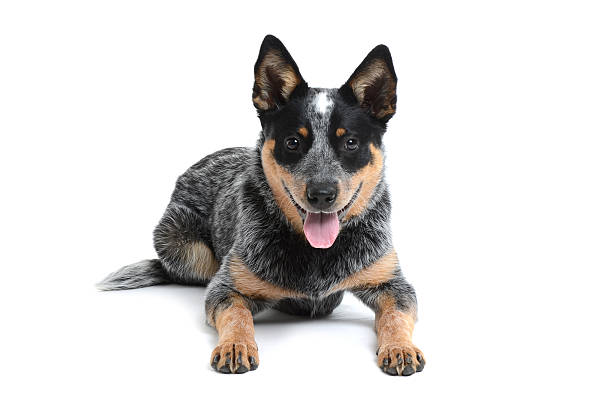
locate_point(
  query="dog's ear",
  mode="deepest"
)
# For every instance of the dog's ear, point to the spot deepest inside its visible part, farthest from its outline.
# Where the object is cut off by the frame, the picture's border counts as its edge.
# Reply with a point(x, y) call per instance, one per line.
point(277, 77)
point(372, 85)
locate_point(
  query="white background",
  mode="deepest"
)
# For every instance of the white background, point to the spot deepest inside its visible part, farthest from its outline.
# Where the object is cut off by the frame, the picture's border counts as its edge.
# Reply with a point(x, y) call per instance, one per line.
point(499, 162)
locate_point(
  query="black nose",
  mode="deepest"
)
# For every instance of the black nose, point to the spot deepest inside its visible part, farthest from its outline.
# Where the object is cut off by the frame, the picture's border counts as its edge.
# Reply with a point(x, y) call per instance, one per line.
point(321, 195)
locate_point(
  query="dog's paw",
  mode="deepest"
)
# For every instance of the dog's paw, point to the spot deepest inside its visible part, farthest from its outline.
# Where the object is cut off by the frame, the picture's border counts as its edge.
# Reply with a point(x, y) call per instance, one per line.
point(235, 358)
point(400, 359)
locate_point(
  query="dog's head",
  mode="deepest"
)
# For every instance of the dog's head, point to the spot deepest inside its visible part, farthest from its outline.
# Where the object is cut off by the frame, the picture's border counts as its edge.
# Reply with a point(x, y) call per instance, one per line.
point(321, 152)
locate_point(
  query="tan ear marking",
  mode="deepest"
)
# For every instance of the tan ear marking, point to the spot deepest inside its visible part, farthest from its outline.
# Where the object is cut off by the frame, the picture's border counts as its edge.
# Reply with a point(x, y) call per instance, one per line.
point(340, 131)
point(274, 67)
point(376, 72)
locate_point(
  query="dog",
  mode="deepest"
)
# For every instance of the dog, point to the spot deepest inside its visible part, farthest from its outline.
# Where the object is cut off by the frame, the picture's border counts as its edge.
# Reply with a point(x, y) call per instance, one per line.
point(294, 222)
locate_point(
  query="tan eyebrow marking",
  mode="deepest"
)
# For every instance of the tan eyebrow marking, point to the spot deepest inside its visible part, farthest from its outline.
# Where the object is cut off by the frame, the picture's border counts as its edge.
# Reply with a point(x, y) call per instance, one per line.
point(303, 131)
point(340, 131)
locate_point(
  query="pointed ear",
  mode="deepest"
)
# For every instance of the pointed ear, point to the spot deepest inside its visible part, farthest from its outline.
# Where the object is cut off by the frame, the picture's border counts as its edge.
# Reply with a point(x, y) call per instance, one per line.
point(372, 85)
point(277, 77)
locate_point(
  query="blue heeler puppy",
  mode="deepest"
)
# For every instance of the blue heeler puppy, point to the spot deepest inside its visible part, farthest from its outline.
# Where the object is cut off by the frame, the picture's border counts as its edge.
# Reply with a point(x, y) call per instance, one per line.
point(294, 222)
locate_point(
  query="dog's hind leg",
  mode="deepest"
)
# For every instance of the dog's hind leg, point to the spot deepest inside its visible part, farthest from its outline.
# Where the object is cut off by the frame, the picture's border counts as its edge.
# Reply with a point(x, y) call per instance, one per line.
point(314, 308)
point(185, 257)
point(182, 242)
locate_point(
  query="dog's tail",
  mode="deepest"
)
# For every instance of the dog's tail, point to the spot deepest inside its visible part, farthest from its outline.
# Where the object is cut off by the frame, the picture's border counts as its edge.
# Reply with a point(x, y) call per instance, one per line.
point(137, 275)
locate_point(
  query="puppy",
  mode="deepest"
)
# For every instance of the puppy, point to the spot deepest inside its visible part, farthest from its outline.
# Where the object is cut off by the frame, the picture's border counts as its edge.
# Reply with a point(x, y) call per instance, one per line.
point(294, 222)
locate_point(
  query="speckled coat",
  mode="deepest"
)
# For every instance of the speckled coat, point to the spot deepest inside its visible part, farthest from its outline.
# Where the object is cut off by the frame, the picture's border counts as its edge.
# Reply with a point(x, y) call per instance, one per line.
point(235, 222)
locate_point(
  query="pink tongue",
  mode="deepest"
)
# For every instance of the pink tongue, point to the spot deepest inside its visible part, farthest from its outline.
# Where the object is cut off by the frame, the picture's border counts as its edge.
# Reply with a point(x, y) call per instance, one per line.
point(321, 229)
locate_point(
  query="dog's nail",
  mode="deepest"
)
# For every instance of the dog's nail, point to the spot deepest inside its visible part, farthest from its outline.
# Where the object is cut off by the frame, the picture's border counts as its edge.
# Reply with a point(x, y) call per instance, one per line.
point(254, 364)
point(225, 369)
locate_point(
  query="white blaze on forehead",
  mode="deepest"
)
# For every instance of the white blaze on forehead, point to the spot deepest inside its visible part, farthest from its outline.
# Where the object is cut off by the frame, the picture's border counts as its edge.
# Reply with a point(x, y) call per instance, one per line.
point(320, 163)
point(323, 102)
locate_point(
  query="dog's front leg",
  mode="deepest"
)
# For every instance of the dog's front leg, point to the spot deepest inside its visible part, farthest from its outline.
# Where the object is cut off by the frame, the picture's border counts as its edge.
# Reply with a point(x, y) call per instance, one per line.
point(394, 303)
point(231, 313)
point(397, 355)
point(236, 351)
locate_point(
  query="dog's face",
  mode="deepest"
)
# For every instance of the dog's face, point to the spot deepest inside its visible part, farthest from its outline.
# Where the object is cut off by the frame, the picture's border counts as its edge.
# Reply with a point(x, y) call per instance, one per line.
point(322, 150)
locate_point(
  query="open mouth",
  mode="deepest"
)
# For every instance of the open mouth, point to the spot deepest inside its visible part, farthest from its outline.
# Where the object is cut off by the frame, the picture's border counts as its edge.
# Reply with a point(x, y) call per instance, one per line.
point(322, 228)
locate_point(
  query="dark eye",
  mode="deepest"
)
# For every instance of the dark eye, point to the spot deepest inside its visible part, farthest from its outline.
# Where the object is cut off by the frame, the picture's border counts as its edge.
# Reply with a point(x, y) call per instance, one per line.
point(351, 144)
point(292, 143)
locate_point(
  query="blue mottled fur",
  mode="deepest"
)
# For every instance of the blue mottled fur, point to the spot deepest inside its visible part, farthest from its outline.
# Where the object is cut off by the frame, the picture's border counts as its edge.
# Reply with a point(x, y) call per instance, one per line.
point(225, 203)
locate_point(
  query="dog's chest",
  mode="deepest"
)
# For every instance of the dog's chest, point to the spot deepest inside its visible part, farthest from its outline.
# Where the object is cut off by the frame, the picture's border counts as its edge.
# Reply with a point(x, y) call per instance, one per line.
point(312, 276)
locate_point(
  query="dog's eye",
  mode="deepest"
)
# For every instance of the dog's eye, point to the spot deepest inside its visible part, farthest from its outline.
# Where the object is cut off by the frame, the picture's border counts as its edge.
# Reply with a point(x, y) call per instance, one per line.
point(292, 143)
point(351, 144)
